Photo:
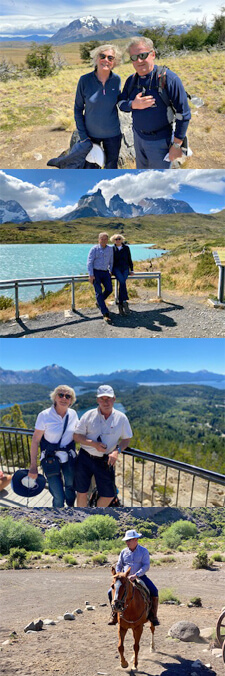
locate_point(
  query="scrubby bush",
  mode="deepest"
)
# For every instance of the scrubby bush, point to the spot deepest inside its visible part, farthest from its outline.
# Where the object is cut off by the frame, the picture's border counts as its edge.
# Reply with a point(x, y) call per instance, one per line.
point(68, 558)
point(5, 302)
point(19, 534)
point(201, 560)
point(178, 531)
point(17, 558)
point(100, 558)
point(43, 60)
point(92, 529)
point(166, 594)
point(86, 48)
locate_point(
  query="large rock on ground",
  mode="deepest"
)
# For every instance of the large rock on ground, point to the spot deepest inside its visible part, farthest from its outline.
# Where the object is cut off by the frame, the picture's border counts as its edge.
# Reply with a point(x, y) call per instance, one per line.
point(184, 631)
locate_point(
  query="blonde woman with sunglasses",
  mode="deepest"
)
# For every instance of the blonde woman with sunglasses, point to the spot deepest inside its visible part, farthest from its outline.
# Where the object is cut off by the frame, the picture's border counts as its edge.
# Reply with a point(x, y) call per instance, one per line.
point(95, 108)
point(54, 432)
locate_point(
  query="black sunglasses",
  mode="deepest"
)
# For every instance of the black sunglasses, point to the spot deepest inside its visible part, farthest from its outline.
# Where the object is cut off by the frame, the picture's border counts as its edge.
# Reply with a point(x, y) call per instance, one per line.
point(105, 56)
point(61, 395)
point(142, 56)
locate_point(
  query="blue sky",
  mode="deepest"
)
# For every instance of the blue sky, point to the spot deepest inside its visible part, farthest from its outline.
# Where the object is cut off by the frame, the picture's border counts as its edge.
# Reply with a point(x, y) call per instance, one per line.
point(25, 17)
point(89, 356)
point(50, 194)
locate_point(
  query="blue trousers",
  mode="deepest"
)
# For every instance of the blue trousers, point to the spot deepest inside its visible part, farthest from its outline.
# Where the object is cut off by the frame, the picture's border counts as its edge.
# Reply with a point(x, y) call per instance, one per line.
point(122, 275)
point(102, 278)
point(60, 491)
point(150, 154)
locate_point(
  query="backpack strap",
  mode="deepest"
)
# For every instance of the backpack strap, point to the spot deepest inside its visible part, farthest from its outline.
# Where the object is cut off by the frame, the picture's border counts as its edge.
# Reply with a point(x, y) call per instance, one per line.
point(132, 84)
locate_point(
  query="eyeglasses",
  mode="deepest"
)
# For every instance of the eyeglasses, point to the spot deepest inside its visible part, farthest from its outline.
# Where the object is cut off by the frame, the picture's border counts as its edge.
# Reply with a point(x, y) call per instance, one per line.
point(61, 395)
point(117, 238)
point(142, 56)
point(105, 56)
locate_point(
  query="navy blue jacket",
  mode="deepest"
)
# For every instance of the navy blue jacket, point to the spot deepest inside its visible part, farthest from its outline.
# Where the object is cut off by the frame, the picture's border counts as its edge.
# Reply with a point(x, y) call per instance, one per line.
point(95, 108)
point(122, 258)
point(154, 119)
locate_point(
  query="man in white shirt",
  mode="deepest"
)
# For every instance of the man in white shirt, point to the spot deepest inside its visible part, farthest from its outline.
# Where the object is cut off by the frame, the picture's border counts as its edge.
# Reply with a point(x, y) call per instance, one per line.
point(99, 431)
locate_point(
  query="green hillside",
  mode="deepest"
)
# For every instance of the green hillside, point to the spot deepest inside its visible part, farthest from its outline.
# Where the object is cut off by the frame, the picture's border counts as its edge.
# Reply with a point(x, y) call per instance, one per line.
point(164, 231)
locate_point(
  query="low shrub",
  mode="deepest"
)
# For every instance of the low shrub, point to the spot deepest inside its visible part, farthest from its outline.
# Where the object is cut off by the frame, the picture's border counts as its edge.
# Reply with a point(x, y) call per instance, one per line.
point(100, 559)
point(167, 594)
point(178, 531)
point(68, 558)
point(5, 302)
point(17, 558)
point(19, 534)
point(201, 560)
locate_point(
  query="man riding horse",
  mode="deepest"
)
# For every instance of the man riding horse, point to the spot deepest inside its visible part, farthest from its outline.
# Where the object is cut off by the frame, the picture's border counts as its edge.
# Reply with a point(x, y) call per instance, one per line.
point(137, 558)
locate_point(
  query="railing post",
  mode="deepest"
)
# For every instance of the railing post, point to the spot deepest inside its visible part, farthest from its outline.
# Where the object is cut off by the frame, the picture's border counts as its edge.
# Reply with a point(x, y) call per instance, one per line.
point(17, 300)
point(159, 286)
point(221, 284)
point(73, 294)
point(42, 290)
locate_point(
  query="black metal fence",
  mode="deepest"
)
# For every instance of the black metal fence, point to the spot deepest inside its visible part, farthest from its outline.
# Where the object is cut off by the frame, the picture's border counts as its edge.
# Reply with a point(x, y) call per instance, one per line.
point(143, 479)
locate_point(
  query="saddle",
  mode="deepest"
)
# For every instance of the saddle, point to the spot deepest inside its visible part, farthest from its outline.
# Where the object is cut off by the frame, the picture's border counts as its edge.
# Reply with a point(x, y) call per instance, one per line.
point(143, 589)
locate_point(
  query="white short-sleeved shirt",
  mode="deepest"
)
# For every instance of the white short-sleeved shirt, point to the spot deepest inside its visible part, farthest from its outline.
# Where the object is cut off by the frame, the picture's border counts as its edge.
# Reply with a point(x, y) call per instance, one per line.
point(52, 425)
point(93, 424)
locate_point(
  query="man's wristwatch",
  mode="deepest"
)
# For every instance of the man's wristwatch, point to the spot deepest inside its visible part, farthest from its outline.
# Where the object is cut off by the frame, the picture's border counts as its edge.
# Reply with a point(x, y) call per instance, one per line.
point(176, 145)
point(118, 448)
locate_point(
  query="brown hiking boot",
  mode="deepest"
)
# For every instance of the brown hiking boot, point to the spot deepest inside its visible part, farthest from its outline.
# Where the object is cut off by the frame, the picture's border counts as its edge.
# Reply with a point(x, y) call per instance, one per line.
point(121, 312)
point(153, 611)
point(113, 619)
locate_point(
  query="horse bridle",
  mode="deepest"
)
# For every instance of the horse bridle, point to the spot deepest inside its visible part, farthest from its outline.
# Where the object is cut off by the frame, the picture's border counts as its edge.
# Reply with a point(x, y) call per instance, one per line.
point(121, 607)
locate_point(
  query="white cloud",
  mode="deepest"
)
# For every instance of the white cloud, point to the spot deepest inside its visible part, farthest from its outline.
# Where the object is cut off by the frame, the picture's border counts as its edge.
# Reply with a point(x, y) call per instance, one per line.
point(53, 184)
point(214, 211)
point(154, 184)
point(38, 201)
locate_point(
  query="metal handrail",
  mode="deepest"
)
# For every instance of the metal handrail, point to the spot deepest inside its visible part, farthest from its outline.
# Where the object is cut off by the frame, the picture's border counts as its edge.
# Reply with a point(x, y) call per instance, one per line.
point(180, 467)
point(16, 284)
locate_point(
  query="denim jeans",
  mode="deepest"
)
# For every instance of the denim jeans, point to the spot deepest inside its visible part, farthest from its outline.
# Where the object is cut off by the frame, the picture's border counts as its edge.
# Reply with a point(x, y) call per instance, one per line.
point(122, 275)
point(111, 148)
point(102, 277)
point(62, 492)
point(150, 153)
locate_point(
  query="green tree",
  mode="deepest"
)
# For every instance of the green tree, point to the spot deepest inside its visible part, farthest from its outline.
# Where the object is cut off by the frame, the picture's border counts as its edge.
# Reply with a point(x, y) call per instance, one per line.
point(86, 48)
point(41, 60)
point(217, 34)
point(15, 450)
point(195, 38)
point(14, 418)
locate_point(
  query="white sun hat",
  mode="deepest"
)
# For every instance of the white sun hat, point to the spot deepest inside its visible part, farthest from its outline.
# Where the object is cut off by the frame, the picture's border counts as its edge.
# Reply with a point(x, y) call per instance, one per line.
point(130, 534)
point(96, 155)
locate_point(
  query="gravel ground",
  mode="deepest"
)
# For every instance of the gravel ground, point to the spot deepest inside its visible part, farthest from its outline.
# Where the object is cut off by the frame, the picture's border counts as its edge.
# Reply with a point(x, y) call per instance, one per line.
point(174, 317)
point(87, 645)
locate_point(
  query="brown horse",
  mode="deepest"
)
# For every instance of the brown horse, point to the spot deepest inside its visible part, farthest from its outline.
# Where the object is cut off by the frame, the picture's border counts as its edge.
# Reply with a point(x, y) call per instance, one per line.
point(132, 612)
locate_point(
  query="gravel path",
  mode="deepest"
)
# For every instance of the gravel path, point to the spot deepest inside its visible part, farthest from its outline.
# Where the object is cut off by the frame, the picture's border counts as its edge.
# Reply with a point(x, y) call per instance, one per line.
point(173, 317)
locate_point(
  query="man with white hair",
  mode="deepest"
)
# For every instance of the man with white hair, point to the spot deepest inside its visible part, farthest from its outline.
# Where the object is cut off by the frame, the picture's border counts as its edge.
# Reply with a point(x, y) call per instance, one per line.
point(103, 433)
point(99, 265)
point(137, 558)
point(156, 99)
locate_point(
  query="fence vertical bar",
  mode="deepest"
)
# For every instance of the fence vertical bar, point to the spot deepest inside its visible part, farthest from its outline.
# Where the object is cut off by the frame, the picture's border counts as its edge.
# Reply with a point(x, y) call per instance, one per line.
point(153, 484)
point(132, 483)
point(164, 491)
point(178, 486)
point(159, 286)
point(42, 289)
point(207, 493)
point(73, 294)
point(123, 479)
point(192, 490)
point(221, 284)
point(142, 481)
point(17, 300)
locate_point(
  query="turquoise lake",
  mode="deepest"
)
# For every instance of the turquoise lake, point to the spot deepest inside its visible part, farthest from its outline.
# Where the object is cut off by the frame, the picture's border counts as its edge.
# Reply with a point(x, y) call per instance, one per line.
point(49, 260)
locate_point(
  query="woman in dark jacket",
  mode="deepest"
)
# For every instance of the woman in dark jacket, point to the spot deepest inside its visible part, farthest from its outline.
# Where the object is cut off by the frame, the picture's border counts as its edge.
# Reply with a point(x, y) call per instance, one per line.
point(122, 267)
point(95, 109)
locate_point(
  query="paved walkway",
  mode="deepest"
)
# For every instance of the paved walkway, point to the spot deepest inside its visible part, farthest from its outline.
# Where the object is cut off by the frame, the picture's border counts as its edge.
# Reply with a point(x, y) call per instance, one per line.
point(173, 317)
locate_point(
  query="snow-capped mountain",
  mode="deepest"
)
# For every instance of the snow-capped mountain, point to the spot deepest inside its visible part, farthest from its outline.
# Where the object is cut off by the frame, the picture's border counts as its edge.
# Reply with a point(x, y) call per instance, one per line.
point(95, 205)
point(90, 28)
point(11, 211)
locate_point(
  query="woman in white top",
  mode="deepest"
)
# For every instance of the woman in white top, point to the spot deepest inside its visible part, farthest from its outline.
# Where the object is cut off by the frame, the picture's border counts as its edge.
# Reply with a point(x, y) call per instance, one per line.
point(54, 431)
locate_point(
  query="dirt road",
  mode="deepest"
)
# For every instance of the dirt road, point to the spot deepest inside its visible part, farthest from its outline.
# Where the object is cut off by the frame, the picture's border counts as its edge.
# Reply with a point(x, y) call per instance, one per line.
point(87, 646)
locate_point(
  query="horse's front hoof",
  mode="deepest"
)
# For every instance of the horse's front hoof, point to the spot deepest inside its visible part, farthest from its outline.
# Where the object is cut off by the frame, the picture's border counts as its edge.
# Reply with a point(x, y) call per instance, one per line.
point(124, 664)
